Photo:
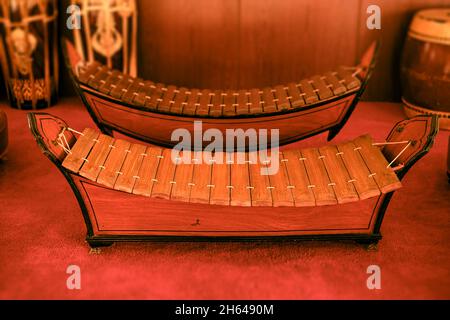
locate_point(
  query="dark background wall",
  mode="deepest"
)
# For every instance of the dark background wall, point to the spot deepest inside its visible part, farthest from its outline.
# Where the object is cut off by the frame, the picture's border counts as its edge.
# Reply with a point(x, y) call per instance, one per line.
point(254, 43)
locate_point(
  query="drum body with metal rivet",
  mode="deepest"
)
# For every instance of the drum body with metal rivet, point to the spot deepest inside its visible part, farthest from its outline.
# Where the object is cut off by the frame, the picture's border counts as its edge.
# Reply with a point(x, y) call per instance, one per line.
point(425, 68)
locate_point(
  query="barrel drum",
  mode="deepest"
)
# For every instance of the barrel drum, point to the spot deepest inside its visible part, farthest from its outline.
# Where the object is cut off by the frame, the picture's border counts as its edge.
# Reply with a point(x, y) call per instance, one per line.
point(425, 67)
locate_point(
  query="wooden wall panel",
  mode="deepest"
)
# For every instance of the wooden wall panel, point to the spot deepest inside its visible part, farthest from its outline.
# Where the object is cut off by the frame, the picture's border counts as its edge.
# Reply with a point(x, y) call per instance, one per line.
point(193, 43)
point(243, 43)
point(288, 40)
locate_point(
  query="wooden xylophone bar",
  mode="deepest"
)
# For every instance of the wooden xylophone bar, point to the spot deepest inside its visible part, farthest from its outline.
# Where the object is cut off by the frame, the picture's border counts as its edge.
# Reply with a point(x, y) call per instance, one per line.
point(348, 172)
point(217, 103)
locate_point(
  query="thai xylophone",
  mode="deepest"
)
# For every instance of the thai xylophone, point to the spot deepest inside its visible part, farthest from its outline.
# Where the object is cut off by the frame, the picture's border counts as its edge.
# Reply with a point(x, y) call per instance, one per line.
point(151, 111)
point(130, 191)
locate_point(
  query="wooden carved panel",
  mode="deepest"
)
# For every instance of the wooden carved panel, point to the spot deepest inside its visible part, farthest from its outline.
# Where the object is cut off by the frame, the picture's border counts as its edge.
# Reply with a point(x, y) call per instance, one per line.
point(107, 33)
point(28, 52)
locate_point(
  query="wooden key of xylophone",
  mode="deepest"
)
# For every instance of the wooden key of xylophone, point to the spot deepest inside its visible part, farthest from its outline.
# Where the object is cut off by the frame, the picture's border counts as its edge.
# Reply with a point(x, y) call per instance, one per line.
point(167, 99)
point(337, 87)
point(204, 103)
point(255, 102)
point(121, 87)
point(145, 90)
point(216, 104)
point(201, 180)
point(165, 175)
point(179, 100)
point(132, 91)
point(281, 98)
point(385, 177)
point(85, 72)
point(318, 177)
point(295, 98)
point(154, 99)
point(339, 176)
point(130, 168)
point(111, 80)
point(322, 90)
point(191, 102)
point(229, 101)
point(269, 104)
point(308, 91)
point(239, 182)
point(139, 98)
point(360, 176)
point(298, 179)
point(220, 192)
point(242, 102)
point(97, 157)
point(349, 80)
point(259, 184)
point(181, 191)
point(147, 172)
point(113, 163)
point(279, 182)
point(80, 150)
point(99, 78)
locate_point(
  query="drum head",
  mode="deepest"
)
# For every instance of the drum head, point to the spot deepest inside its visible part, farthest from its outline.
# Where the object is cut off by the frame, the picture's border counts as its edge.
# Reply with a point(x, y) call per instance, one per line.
point(432, 25)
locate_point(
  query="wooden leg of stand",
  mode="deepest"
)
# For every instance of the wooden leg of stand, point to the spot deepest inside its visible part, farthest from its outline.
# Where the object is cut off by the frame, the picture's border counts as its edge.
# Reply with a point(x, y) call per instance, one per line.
point(96, 245)
point(369, 244)
point(372, 246)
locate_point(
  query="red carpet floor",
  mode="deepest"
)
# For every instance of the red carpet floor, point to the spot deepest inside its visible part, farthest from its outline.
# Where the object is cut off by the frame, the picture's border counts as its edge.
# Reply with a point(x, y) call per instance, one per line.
point(42, 232)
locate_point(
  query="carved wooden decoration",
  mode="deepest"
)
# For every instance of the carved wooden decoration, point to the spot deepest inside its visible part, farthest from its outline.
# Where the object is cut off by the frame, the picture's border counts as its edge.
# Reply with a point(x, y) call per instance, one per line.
point(107, 33)
point(28, 52)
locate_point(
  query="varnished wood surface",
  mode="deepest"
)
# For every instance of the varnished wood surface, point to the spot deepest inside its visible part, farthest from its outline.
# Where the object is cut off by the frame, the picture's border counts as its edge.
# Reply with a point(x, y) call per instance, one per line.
point(158, 128)
point(137, 215)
